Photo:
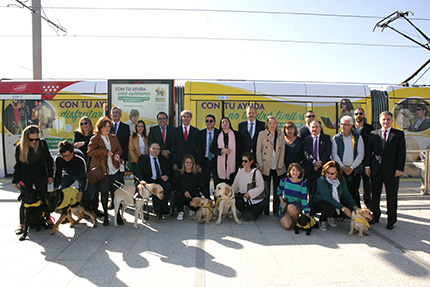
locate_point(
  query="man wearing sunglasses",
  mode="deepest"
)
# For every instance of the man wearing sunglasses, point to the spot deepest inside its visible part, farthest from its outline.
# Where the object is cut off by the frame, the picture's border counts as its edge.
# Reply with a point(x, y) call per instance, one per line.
point(363, 129)
point(208, 159)
point(306, 129)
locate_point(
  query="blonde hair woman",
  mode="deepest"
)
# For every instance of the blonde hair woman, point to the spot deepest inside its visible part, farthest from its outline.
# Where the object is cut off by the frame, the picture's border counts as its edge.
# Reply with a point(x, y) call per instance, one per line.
point(82, 135)
point(270, 159)
point(34, 166)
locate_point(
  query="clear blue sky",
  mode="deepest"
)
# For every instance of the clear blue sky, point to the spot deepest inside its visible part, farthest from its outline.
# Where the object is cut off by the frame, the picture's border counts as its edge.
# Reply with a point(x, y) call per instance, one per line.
point(178, 44)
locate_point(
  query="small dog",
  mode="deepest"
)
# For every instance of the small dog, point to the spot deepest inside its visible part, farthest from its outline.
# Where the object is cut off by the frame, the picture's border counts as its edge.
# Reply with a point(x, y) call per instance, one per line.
point(205, 209)
point(305, 223)
point(226, 202)
point(124, 196)
point(359, 222)
point(33, 211)
point(63, 201)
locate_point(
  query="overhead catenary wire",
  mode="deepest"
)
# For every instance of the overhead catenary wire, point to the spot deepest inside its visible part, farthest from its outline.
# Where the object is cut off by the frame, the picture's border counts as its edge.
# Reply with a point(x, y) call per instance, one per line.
point(222, 39)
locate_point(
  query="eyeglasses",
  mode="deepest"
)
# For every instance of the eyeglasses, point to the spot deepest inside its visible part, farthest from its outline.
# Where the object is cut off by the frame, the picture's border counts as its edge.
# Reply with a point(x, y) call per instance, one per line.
point(359, 114)
point(331, 173)
point(161, 119)
point(418, 109)
point(245, 160)
point(32, 140)
point(311, 116)
point(209, 121)
point(155, 148)
point(343, 103)
point(84, 123)
point(66, 155)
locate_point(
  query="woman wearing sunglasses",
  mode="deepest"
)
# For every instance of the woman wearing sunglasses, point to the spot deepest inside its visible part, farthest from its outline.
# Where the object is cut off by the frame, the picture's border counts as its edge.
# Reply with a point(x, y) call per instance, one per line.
point(34, 167)
point(82, 135)
point(248, 195)
point(332, 198)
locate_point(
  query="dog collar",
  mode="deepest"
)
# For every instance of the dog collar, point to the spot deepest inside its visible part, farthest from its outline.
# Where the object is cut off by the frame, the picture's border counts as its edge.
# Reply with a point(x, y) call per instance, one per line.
point(36, 204)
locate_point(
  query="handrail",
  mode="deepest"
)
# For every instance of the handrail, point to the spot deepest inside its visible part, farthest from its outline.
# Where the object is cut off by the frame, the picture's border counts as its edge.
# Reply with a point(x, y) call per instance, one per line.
point(425, 181)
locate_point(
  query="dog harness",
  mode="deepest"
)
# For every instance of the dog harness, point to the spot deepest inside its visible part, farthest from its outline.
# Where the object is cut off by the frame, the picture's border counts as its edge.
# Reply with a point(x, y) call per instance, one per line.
point(209, 205)
point(36, 204)
point(69, 197)
point(311, 223)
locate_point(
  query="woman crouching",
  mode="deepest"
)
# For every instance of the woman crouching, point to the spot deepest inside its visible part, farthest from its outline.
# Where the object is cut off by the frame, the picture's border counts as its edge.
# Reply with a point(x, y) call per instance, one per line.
point(293, 196)
point(249, 186)
point(332, 197)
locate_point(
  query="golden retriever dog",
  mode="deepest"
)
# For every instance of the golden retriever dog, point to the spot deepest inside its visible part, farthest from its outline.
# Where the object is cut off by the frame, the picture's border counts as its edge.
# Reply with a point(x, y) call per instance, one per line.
point(124, 196)
point(360, 222)
point(226, 202)
point(205, 210)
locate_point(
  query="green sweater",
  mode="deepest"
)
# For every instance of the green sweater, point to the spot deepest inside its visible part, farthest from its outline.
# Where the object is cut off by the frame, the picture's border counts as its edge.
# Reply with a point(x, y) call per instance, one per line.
point(324, 192)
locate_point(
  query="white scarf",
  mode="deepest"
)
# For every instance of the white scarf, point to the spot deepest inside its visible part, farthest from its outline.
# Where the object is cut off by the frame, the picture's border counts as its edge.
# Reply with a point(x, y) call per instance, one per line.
point(334, 192)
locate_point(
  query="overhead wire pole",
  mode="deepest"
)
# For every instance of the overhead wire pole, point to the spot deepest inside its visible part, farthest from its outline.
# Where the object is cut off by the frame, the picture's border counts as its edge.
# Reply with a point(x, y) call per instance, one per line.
point(385, 23)
point(37, 40)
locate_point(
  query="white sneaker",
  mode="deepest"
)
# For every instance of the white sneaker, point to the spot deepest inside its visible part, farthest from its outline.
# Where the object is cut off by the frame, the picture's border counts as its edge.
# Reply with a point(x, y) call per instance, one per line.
point(180, 216)
point(332, 221)
point(323, 225)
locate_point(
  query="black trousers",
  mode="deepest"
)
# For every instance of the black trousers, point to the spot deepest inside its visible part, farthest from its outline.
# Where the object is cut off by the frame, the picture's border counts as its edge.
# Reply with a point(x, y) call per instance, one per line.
point(391, 190)
point(274, 179)
point(311, 179)
point(253, 211)
point(162, 205)
point(209, 169)
point(326, 210)
point(353, 185)
point(181, 200)
point(367, 190)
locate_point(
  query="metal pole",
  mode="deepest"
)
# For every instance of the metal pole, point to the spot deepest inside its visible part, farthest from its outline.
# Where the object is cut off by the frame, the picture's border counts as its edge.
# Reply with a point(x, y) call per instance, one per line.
point(37, 40)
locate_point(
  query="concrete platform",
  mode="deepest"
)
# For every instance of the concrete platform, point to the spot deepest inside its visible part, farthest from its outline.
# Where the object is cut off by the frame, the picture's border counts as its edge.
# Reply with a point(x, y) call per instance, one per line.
point(168, 252)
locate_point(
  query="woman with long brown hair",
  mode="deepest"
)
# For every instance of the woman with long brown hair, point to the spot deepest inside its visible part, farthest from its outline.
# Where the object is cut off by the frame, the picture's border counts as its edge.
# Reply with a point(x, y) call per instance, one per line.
point(34, 167)
point(138, 144)
point(105, 151)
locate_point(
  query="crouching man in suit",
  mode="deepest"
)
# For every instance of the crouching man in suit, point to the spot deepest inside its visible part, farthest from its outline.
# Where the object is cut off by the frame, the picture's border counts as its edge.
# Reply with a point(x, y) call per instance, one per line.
point(153, 168)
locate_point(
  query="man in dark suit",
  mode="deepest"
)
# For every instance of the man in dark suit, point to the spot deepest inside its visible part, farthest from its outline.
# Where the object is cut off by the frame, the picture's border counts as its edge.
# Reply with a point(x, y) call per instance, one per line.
point(122, 132)
point(249, 130)
point(364, 129)
point(185, 142)
point(317, 151)
point(153, 168)
point(208, 159)
point(162, 134)
point(385, 162)
point(306, 129)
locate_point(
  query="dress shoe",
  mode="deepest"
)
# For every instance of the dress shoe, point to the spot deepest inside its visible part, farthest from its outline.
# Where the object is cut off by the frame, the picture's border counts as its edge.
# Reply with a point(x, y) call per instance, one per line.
point(266, 212)
point(159, 215)
point(390, 226)
point(106, 222)
point(19, 231)
point(373, 221)
point(166, 211)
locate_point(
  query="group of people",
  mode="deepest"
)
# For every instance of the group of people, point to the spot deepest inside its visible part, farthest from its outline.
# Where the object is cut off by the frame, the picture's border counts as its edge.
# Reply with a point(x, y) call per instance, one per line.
point(308, 171)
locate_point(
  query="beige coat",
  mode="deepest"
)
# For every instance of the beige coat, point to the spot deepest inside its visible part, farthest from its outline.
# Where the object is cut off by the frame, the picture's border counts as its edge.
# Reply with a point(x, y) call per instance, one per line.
point(265, 149)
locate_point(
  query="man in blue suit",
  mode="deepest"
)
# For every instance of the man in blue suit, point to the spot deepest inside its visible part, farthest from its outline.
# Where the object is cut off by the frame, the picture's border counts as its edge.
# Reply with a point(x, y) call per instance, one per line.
point(208, 160)
point(249, 130)
point(185, 142)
